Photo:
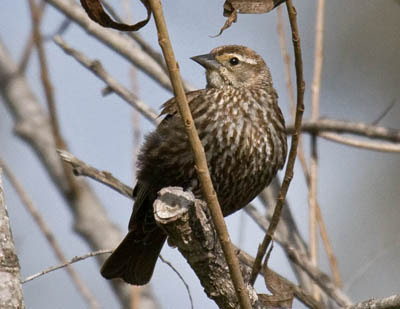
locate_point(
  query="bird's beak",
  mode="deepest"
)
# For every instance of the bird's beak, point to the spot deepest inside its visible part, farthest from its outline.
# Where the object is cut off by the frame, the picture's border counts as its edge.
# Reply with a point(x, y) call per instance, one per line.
point(208, 61)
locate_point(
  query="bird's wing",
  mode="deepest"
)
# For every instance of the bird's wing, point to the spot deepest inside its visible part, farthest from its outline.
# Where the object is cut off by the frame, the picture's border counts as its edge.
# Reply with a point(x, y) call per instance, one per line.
point(140, 193)
point(170, 107)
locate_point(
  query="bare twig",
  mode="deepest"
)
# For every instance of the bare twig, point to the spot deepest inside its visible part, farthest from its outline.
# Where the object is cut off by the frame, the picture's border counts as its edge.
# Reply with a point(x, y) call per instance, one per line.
point(199, 155)
point(341, 126)
point(30, 42)
point(96, 68)
point(11, 290)
point(81, 168)
point(391, 302)
point(49, 90)
point(180, 277)
point(50, 237)
point(73, 260)
point(293, 149)
point(315, 95)
point(376, 146)
point(384, 113)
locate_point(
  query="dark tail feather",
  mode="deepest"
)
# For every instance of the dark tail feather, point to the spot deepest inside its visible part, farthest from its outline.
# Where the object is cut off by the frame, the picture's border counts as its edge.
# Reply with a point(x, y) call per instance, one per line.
point(134, 259)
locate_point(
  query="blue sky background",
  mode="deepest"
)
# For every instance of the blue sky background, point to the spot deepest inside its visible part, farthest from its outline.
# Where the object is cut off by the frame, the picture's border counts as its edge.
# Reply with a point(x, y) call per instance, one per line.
point(359, 190)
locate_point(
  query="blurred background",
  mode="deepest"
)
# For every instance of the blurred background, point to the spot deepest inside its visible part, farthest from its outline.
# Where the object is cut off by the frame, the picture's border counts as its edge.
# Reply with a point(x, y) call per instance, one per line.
point(358, 190)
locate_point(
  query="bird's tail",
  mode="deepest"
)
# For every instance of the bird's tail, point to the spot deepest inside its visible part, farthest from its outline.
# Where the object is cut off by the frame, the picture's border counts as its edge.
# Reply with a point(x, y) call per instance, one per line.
point(134, 259)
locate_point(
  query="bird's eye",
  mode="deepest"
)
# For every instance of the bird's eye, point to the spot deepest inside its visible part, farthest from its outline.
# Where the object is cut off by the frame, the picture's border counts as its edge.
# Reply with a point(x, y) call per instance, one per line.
point(234, 61)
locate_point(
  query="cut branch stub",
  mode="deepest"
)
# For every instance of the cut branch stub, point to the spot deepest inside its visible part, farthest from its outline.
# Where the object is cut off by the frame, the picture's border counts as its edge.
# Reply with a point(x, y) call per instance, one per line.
point(187, 222)
point(95, 11)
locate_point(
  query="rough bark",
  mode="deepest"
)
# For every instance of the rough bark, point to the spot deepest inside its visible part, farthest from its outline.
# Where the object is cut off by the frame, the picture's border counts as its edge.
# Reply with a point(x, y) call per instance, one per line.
point(10, 284)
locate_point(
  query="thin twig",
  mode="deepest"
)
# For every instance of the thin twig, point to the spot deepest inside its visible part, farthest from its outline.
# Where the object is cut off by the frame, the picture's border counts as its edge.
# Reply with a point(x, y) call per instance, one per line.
point(199, 156)
point(96, 68)
point(315, 96)
point(50, 237)
point(73, 260)
point(180, 277)
point(30, 42)
point(384, 147)
point(49, 90)
point(293, 149)
point(391, 302)
point(81, 168)
point(342, 126)
point(384, 113)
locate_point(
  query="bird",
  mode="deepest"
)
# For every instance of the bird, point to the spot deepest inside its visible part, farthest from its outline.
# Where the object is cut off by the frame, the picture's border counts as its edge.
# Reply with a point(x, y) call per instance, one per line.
point(242, 130)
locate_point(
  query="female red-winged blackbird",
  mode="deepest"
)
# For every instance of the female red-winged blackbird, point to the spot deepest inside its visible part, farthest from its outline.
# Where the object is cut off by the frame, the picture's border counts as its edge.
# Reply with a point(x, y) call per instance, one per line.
point(243, 133)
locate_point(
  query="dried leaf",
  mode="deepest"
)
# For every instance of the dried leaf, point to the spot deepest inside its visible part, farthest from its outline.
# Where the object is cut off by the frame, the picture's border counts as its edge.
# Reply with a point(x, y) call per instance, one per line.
point(282, 293)
point(250, 6)
point(95, 11)
point(233, 7)
point(231, 19)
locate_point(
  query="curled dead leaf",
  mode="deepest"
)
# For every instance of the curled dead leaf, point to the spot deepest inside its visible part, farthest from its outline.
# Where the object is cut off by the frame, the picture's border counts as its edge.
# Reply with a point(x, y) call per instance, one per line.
point(95, 11)
point(282, 292)
point(234, 7)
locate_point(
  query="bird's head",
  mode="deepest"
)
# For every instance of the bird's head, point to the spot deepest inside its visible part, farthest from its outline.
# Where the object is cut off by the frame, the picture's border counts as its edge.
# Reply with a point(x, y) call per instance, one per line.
point(234, 65)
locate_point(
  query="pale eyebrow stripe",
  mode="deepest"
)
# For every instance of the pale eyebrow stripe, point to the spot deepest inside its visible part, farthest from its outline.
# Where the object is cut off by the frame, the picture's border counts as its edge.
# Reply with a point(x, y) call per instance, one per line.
point(242, 59)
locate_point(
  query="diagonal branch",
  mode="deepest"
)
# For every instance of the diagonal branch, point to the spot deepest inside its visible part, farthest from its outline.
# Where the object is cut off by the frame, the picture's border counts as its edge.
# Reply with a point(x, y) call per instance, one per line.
point(199, 156)
point(116, 41)
point(32, 124)
point(96, 68)
point(50, 237)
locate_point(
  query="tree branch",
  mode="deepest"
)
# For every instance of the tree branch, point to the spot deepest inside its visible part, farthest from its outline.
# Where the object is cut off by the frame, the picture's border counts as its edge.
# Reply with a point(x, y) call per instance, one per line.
point(10, 285)
point(342, 126)
point(189, 228)
point(96, 68)
point(293, 149)
point(66, 264)
point(50, 237)
point(391, 302)
point(199, 155)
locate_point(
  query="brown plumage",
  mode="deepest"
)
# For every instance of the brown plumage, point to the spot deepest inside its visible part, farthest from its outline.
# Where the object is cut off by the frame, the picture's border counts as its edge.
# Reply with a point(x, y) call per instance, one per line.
point(243, 133)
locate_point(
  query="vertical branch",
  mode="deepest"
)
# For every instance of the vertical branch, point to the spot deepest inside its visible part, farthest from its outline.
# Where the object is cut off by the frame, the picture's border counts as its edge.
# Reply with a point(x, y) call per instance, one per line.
point(300, 152)
point(48, 88)
point(199, 156)
point(51, 239)
point(262, 249)
point(315, 92)
point(31, 43)
point(11, 290)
